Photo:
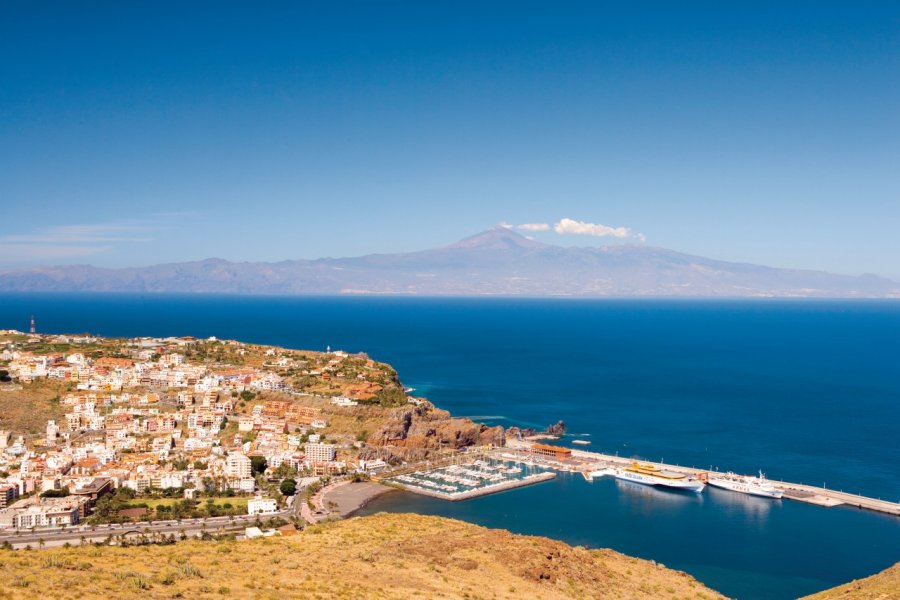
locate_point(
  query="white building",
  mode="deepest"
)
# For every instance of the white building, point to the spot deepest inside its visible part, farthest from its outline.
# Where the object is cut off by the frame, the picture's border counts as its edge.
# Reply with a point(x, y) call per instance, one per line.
point(261, 506)
point(171, 480)
point(320, 452)
point(373, 466)
point(49, 513)
point(52, 432)
point(238, 466)
point(246, 485)
point(343, 401)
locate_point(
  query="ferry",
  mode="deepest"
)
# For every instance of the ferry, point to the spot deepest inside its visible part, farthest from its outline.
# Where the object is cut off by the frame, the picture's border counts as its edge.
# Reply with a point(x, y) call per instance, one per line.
point(650, 475)
point(745, 484)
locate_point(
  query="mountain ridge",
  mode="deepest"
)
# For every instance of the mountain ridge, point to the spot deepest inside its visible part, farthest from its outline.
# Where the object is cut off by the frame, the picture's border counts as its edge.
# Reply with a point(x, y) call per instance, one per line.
point(496, 262)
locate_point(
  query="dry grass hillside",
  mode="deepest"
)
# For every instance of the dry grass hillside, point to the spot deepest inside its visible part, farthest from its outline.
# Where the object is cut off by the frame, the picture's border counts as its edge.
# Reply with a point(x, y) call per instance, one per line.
point(382, 556)
point(881, 586)
point(25, 409)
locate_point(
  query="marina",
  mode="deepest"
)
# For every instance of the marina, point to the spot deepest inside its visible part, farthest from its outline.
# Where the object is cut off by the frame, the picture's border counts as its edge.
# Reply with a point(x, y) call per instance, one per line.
point(522, 463)
point(470, 479)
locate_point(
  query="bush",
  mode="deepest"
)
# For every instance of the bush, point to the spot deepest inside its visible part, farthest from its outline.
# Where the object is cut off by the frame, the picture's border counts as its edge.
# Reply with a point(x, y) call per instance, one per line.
point(60, 493)
point(390, 397)
point(288, 487)
point(258, 464)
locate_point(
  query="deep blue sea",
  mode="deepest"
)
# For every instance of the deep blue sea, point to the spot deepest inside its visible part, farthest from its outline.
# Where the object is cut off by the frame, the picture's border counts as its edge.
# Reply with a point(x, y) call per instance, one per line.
point(807, 391)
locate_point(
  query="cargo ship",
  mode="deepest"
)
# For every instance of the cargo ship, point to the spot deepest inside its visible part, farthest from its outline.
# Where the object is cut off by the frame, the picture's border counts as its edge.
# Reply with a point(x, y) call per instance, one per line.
point(745, 484)
point(650, 475)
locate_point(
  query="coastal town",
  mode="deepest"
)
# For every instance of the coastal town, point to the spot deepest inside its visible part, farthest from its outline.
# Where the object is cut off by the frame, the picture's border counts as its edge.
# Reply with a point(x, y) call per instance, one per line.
point(156, 435)
point(157, 428)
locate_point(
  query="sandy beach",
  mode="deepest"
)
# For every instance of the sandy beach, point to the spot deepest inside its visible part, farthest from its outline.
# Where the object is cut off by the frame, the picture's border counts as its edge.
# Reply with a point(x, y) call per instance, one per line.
point(353, 496)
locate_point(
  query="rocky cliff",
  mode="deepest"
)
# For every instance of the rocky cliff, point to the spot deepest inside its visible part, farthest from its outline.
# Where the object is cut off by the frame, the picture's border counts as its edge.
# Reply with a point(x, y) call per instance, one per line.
point(419, 430)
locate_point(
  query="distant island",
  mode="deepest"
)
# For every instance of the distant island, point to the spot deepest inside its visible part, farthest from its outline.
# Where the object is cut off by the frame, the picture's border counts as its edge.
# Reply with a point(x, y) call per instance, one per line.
point(497, 262)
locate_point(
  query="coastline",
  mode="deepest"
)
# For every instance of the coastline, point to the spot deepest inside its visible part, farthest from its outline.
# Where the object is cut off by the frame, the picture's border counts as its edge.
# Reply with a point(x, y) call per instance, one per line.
point(353, 497)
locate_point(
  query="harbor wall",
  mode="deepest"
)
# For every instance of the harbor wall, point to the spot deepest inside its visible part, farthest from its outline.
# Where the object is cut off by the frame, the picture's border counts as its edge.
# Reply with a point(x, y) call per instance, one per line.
point(483, 491)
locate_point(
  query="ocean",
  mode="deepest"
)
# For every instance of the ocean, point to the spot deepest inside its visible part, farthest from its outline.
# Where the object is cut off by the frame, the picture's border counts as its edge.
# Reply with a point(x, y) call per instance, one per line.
point(806, 390)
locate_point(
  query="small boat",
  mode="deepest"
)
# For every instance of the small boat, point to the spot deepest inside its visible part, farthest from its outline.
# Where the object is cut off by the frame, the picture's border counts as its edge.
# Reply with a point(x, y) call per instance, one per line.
point(602, 473)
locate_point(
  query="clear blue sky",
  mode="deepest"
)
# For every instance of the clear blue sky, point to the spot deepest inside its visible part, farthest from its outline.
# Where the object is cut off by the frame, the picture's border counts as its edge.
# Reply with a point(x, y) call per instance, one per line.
point(136, 133)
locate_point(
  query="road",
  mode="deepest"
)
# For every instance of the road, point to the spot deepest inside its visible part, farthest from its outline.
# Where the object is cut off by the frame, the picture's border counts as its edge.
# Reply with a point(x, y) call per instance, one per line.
point(54, 536)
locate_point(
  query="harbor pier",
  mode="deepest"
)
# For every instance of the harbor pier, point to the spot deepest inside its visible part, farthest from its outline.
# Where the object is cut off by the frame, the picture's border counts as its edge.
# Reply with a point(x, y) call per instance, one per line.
point(550, 459)
point(466, 476)
point(586, 462)
point(482, 491)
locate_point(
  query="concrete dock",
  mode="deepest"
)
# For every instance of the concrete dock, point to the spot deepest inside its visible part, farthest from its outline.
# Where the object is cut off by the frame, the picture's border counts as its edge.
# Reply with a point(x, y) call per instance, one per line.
point(584, 462)
point(482, 491)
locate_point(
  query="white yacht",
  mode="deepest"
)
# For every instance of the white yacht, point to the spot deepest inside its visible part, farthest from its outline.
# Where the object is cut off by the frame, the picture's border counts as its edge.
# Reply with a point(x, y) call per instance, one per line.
point(602, 473)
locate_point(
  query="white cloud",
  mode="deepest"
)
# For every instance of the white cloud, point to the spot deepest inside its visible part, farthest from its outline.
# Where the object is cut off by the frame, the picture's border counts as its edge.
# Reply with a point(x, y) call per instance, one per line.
point(641, 237)
point(71, 241)
point(505, 225)
point(78, 234)
point(534, 227)
point(13, 253)
point(572, 227)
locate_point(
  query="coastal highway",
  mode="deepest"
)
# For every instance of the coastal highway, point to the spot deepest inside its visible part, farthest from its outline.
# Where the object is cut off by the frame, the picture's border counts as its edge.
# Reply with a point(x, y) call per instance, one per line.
point(55, 536)
point(74, 535)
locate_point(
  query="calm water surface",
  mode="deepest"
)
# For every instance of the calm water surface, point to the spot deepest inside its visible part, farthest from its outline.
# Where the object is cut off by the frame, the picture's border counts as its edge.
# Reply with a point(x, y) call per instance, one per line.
point(805, 390)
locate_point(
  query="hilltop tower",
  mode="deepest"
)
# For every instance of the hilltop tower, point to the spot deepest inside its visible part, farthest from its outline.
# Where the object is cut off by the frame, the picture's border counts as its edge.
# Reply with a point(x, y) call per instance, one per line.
point(32, 325)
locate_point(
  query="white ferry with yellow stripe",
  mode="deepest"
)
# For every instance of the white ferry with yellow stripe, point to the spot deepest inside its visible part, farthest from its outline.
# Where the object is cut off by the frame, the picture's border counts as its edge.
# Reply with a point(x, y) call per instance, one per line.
point(651, 475)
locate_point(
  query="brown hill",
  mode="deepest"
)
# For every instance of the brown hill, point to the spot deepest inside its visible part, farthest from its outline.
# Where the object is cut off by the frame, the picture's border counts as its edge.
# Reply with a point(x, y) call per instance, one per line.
point(382, 556)
point(881, 586)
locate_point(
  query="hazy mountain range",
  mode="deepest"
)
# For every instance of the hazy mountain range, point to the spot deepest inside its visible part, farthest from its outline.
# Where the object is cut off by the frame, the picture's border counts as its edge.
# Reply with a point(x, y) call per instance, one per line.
point(495, 262)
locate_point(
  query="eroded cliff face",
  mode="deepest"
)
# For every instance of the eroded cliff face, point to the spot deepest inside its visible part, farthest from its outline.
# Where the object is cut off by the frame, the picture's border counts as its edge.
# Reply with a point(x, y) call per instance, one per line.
point(419, 430)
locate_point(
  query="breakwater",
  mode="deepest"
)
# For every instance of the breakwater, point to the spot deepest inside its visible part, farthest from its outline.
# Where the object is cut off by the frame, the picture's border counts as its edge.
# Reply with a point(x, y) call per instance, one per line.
point(586, 462)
